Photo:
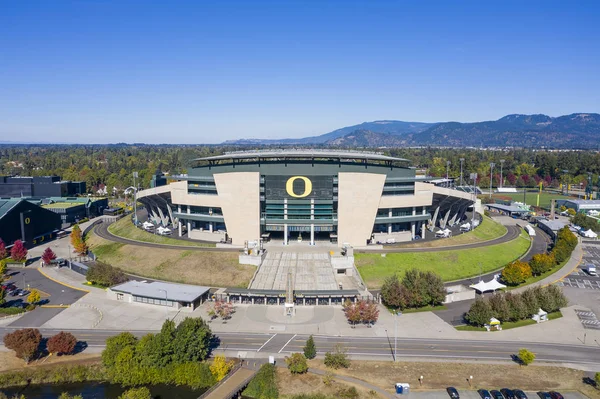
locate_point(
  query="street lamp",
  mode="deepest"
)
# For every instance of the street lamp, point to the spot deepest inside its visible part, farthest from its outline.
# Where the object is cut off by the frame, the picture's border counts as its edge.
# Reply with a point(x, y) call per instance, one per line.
point(396, 314)
point(491, 176)
point(166, 303)
point(461, 170)
point(501, 180)
point(447, 170)
point(135, 176)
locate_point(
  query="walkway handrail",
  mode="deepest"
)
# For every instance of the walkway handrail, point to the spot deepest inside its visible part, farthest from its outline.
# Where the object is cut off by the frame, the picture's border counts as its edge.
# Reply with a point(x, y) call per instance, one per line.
point(231, 373)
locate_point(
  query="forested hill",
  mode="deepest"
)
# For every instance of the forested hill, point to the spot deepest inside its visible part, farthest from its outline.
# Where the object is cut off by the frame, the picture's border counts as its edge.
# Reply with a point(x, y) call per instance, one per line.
point(578, 131)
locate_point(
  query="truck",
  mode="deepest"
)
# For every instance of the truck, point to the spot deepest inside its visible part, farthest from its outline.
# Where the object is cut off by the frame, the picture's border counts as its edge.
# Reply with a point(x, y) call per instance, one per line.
point(591, 270)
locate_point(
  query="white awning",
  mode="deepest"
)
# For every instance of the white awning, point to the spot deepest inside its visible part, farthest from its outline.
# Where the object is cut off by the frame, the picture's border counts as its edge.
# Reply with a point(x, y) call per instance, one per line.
point(590, 233)
point(491, 285)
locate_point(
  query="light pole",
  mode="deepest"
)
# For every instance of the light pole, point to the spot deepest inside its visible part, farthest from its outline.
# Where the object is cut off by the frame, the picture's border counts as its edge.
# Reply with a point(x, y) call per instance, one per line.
point(491, 176)
point(396, 314)
point(501, 180)
point(447, 170)
point(461, 170)
point(135, 176)
point(473, 176)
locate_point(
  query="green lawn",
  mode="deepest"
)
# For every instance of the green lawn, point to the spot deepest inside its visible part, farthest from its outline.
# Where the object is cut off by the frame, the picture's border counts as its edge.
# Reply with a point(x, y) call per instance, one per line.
point(511, 324)
point(124, 228)
point(450, 265)
point(531, 198)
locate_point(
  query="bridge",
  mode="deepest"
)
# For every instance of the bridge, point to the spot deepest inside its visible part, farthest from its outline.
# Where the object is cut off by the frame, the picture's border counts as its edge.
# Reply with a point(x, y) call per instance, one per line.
point(233, 384)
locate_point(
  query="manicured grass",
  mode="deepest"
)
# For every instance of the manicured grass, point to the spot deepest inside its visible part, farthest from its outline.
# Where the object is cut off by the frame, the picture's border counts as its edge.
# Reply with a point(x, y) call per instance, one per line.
point(511, 324)
point(208, 268)
point(427, 308)
point(450, 265)
point(10, 311)
point(487, 230)
point(531, 198)
point(124, 228)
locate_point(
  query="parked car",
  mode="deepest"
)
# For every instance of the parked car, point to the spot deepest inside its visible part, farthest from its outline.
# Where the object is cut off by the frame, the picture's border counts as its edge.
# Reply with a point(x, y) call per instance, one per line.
point(520, 394)
point(23, 292)
point(544, 395)
point(496, 394)
point(555, 395)
point(508, 393)
point(15, 292)
point(484, 393)
point(453, 393)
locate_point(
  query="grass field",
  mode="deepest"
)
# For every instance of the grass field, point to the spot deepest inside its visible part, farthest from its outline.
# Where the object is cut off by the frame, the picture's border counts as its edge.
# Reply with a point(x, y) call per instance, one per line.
point(487, 230)
point(124, 228)
point(531, 198)
point(213, 269)
point(450, 265)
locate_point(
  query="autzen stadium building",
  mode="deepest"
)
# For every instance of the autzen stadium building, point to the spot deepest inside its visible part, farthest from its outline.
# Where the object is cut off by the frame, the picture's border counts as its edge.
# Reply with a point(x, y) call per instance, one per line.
point(348, 197)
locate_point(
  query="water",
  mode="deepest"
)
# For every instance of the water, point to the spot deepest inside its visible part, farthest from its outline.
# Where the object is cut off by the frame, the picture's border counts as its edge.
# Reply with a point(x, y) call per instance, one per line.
point(99, 391)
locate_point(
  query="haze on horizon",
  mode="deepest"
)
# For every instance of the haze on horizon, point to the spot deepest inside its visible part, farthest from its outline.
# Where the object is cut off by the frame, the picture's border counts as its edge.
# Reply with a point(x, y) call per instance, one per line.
point(200, 72)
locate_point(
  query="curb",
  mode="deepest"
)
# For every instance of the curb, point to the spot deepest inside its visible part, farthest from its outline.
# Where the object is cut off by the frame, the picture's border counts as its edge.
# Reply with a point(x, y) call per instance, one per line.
point(54, 306)
point(85, 305)
point(60, 282)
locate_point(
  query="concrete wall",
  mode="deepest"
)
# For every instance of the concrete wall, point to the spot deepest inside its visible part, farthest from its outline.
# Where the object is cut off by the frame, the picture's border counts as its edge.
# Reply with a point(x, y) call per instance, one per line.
point(359, 196)
point(206, 235)
point(423, 196)
point(239, 197)
point(400, 236)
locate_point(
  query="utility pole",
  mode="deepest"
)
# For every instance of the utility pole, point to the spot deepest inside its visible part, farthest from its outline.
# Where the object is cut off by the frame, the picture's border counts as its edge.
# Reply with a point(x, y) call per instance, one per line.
point(491, 176)
point(461, 170)
point(501, 180)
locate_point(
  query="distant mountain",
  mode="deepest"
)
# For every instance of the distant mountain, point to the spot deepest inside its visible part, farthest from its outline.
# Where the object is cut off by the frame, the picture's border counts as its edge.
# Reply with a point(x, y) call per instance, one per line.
point(579, 130)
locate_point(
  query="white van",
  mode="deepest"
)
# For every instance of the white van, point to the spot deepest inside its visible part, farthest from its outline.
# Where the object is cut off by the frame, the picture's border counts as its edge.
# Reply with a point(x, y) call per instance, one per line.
point(591, 270)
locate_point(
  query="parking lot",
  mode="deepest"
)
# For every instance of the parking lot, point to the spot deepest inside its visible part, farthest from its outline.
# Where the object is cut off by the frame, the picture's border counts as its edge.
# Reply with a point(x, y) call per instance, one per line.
point(51, 292)
point(465, 394)
point(580, 278)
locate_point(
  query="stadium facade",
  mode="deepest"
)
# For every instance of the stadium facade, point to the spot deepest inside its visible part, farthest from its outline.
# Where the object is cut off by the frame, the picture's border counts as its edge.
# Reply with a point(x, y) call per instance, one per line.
point(348, 197)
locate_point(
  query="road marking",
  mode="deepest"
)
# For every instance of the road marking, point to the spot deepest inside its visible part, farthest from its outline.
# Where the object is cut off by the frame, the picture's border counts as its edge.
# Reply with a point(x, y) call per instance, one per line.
point(263, 345)
point(290, 340)
point(54, 306)
point(60, 282)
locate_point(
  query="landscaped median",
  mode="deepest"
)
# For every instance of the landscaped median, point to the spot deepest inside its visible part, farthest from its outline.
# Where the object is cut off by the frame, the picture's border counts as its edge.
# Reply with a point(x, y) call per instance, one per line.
point(124, 228)
point(450, 265)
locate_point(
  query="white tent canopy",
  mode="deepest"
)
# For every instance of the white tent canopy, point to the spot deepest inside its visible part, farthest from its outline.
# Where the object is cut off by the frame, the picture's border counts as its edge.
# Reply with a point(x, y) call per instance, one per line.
point(491, 285)
point(590, 234)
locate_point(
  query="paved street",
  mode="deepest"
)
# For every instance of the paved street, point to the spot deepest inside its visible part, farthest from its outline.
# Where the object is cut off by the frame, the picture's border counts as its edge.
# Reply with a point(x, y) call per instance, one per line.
point(464, 394)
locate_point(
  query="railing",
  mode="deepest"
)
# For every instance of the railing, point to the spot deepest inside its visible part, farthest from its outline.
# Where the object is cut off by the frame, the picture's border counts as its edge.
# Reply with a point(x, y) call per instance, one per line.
point(236, 389)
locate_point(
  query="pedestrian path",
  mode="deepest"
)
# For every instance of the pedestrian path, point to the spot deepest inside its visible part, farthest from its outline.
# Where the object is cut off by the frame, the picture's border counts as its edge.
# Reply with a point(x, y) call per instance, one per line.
point(232, 385)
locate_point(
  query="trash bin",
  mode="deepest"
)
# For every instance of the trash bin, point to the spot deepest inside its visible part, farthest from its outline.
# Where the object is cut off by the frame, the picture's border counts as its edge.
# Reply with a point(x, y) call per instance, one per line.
point(402, 388)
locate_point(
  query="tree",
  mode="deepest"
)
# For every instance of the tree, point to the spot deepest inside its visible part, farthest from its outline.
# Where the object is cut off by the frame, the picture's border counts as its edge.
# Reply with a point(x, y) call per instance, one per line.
point(79, 245)
point(526, 357)
point(62, 343)
point(530, 302)
point(369, 312)
point(192, 340)
point(223, 309)
point(516, 272)
point(500, 308)
point(435, 287)
point(338, 358)
point(352, 312)
point(391, 293)
point(264, 384)
point(597, 379)
point(136, 393)
point(517, 308)
point(2, 296)
point(34, 297)
point(18, 252)
point(480, 312)
point(3, 267)
point(3, 251)
point(105, 275)
point(220, 367)
point(24, 342)
point(48, 256)
point(114, 345)
point(297, 363)
point(310, 349)
point(541, 263)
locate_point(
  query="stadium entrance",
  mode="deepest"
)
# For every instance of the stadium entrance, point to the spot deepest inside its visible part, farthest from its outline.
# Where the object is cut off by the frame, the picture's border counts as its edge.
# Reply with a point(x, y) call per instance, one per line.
point(296, 234)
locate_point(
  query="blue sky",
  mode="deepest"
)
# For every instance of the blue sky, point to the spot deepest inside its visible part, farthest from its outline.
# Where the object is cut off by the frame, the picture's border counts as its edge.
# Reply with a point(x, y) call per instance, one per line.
point(204, 72)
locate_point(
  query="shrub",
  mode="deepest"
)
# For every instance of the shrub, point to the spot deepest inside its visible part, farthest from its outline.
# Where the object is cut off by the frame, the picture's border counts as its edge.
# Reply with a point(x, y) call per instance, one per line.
point(516, 272)
point(500, 307)
point(310, 350)
point(24, 342)
point(34, 297)
point(348, 393)
point(220, 367)
point(297, 363)
point(541, 263)
point(338, 358)
point(480, 312)
point(105, 275)
point(136, 393)
point(18, 252)
point(526, 357)
point(62, 343)
point(264, 384)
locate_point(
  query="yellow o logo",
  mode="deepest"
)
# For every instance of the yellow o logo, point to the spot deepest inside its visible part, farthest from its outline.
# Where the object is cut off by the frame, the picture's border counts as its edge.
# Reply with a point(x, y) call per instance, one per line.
point(27, 220)
point(289, 187)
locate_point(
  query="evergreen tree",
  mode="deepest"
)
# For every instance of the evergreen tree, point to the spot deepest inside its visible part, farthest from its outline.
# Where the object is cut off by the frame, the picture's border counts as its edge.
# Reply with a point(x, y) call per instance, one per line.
point(310, 350)
point(392, 293)
point(18, 252)
point(480, 312)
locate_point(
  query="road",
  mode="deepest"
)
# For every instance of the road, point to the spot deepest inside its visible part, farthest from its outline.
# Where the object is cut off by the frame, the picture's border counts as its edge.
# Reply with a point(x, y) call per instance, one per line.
point(263, 345)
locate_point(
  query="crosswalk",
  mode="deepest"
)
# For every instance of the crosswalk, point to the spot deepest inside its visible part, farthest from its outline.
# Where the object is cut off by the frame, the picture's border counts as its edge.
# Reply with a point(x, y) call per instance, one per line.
point(588, 319)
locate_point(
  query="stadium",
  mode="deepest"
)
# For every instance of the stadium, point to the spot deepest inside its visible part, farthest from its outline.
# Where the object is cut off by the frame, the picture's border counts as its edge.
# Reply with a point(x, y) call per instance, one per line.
point(306, 196)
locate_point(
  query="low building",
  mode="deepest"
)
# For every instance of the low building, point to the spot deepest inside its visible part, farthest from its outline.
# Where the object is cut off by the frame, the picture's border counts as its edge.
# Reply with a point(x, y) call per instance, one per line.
point(26, 221)
point(73, 209)
point(39, 186)
point(177, 296)
point(508, 210)
point(580, 205)
point(551, 227)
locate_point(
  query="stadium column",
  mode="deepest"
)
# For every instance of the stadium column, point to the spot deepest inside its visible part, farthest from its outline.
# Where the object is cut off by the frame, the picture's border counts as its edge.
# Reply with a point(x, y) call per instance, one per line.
point(390, 214)
point(179, 221)
point(312, 224)
point(285, 226)
point(189, 224)
point(412, 224)
point(423, 224)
